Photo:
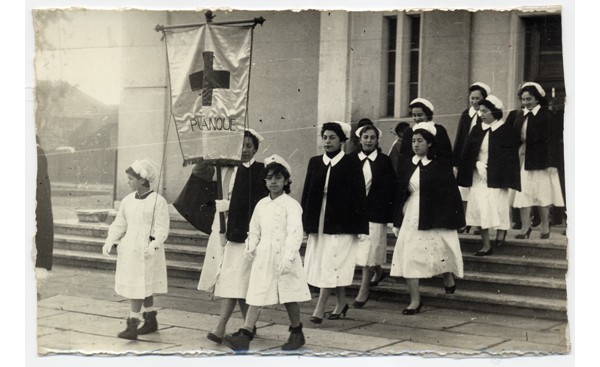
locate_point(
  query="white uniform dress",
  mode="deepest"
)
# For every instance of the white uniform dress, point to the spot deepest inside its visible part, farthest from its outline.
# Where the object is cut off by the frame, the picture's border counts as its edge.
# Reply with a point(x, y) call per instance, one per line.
point(488, 207)
point(226, 271)
point(276, 231)
point(372, 249)
point(538, 187)
point(424, 254)
point(330, 259)
point(137, 276)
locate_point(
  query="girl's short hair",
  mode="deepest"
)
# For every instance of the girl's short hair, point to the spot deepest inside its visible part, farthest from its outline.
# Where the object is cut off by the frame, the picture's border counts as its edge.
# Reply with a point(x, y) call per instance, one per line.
point(496, 112)
point(131, 172)
point(534, 92)
point(277, 169)
point(336, 128)
point(432, 152)
point(479, 88)
point(428, 112)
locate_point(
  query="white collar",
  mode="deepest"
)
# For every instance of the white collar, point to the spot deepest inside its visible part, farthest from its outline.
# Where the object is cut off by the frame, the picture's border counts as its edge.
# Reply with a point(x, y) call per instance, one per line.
point(534, 111)
point(333, 160)
point(472, 112)
point(248, 164)
point(425, 161)
point(362, 156)
point(494, 125)
point(277, 198)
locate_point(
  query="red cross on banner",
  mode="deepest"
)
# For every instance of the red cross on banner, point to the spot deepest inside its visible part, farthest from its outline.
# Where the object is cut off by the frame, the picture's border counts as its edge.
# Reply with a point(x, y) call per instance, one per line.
point(209, 74)
point(209, 79)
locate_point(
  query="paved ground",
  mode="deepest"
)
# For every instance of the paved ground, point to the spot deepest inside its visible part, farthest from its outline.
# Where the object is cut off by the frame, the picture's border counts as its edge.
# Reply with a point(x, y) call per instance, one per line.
point(78, 310)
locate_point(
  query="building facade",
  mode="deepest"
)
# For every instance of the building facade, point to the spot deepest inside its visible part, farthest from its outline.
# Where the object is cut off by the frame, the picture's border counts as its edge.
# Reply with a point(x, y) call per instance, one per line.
point(311, 67)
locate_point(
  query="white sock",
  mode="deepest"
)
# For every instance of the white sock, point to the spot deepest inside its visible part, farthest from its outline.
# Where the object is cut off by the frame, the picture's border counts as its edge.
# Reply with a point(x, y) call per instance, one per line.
point(135, 315)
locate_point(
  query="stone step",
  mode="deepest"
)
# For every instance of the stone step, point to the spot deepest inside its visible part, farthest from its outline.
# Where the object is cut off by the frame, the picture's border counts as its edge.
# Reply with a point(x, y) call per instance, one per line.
point(502, 284)
point(516, 265)
point(175, 268)
point(497, 273)
point(188, 237)
point(94, 245)
point(180, 233)
point(463, 299)
point(392, 291)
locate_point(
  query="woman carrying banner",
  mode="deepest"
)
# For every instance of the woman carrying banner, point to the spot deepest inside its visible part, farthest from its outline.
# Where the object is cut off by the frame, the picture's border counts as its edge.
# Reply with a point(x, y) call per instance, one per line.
point(274, 241)
point(428, 213)
point(141, 267)
point(226, 271)
point(334, 207)
point(380, 187)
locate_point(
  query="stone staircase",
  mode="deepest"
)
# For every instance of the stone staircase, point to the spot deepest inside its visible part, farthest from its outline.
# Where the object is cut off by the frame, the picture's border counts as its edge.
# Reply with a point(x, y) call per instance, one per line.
point(523, 277)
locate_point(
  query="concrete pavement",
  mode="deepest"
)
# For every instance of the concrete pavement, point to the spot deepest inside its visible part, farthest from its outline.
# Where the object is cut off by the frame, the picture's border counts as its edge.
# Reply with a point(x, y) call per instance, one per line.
point(79, 311)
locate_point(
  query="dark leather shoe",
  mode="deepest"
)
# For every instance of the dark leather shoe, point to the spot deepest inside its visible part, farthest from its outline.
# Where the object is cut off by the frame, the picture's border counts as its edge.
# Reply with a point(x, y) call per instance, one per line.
point(484, 253)
point(239, 342)
point(296, 339)
point(131, 332)
point(358, 304)
point(408, 311)
point(212, 337)
point(150, 324)
point(450, 290)
point(335, 316)
point(316, 320)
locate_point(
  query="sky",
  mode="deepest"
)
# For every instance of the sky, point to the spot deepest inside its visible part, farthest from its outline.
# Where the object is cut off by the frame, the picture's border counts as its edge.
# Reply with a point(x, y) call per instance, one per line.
point(82, 48)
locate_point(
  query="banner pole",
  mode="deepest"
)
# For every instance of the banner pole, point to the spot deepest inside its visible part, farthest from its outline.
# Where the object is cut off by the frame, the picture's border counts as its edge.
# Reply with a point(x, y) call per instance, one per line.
point(255, 21)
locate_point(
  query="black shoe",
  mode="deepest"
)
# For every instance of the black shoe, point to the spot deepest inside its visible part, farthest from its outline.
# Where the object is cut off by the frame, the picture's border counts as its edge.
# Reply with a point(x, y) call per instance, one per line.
point(450, 290)
point(501, 242)
point(476, 232)
point(484, 253)
point(150, 324)
point(316, 320)
point(545, 236)
point(296, 339)
point(517, 225)
point(408, 311)
point(131, 332)
point(239, 342)
point(524, 236)
point(214, 338)
point(335, 316)
point(239, 332)
point(376, 282)
point(535, 221)
point(358, 304)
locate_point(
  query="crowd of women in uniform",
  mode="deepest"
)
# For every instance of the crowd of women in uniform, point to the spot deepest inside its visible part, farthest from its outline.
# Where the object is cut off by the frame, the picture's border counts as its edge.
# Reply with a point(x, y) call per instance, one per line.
point(347, 202)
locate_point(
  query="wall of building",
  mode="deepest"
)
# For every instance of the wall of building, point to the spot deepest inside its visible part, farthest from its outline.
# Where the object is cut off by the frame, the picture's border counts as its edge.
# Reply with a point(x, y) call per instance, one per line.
point(444, 77)
point(283, 91)
point(143, 79)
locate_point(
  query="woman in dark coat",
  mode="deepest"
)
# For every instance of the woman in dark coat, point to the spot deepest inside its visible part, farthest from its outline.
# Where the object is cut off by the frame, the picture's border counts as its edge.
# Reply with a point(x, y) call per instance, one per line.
point(380, 186)
point(540, 155)
point(333, 204)
point(427, 215)
point(468, 119)
point(490, 167)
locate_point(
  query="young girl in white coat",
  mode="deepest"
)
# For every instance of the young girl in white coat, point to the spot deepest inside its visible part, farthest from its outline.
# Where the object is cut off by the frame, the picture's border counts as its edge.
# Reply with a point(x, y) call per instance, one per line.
point(141, 267)
point(274, 240)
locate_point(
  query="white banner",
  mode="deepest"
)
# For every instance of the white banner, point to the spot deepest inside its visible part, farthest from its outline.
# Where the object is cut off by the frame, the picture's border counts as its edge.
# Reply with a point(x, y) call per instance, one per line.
point(209, 75)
